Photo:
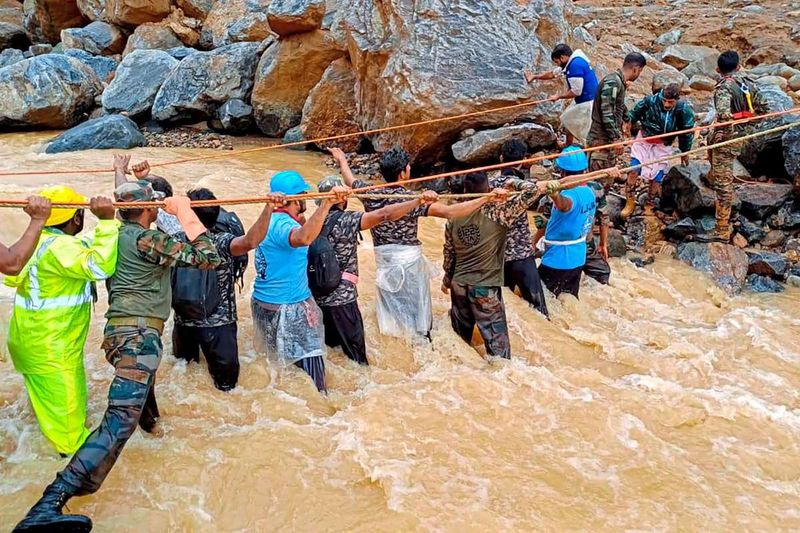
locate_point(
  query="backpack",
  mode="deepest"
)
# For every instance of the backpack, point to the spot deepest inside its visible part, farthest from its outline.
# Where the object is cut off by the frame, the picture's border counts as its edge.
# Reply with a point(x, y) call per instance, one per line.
point(195, 292)
point(324, 272)
point(229, 222)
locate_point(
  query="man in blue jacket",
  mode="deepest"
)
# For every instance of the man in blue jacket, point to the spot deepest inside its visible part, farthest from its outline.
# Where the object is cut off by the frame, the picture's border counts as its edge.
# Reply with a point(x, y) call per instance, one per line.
point(581, 86)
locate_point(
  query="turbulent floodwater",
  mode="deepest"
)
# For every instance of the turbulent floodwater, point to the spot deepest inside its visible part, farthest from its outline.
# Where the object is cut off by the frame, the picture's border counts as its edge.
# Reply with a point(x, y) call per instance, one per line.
point(656, 403)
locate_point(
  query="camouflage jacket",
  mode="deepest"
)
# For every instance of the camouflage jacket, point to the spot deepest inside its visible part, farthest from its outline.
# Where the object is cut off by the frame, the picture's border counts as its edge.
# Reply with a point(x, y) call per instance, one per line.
point(730, 99)
point(519, 241)
point(403, 231)
point(608, 111)
point(344, 237)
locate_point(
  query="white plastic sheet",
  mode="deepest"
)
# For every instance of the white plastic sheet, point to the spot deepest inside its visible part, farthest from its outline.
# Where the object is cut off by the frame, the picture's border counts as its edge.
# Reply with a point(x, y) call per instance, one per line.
point(577, 120)
point(404, 291)
point(290, 332)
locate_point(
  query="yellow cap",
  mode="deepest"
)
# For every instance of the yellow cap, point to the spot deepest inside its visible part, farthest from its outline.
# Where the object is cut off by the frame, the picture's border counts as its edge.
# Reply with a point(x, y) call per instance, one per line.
point(63, 195)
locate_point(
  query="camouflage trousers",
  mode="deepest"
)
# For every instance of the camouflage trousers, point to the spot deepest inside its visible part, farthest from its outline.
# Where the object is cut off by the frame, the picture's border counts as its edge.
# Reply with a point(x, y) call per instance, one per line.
point(481, 306)
point(135, 353)
point(601, 160)
point(721, 179)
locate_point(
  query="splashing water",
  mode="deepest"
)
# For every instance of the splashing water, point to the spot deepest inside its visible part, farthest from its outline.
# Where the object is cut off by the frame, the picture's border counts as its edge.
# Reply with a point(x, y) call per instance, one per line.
point(655, 403)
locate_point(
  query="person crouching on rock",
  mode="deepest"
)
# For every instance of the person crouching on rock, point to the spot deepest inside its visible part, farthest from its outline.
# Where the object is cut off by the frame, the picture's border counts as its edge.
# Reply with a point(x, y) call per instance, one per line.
point(566, 236)
point(661, 113)
point(337, 295)
point(288, 323)
point(474, 260)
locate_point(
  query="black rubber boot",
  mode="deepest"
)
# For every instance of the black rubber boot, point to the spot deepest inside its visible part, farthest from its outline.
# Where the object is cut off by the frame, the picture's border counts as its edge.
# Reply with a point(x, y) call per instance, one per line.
point(46, 515)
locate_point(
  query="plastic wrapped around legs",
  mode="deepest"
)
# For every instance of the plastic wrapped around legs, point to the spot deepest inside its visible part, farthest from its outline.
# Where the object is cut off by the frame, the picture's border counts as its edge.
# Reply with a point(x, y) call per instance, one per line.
point(577, 119)
point(288, 333)
point(404, 291)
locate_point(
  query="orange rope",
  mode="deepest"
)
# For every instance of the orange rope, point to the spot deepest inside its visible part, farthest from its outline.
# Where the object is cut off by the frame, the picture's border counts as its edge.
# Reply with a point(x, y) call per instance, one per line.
point(411, 125)
point(291, 144)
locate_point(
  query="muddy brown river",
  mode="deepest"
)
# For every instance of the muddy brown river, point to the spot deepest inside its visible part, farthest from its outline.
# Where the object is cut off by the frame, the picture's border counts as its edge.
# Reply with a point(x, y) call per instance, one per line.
point(657, 403)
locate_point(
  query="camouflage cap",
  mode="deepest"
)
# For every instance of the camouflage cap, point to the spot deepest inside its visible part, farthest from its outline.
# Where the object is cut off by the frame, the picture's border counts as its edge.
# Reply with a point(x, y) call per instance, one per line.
point(135, 191)
point(327, 184)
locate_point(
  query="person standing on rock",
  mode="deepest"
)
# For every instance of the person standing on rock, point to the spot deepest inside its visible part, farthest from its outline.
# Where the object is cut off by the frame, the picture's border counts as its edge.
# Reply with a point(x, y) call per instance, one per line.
point(52, 312)
point(658, 114)
point(288, 324)
point(736, 96)
point(581, 86)
point(13, 258)
point(402, 277)
point(344, 326)
point(520, 266)
point(474, 260)
point(609, 112)
point(139, 299)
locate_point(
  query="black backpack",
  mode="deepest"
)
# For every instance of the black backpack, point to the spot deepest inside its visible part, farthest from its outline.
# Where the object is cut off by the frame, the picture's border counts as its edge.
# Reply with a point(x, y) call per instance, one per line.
point(324, 272)
point(229, 222)
point(195, 293)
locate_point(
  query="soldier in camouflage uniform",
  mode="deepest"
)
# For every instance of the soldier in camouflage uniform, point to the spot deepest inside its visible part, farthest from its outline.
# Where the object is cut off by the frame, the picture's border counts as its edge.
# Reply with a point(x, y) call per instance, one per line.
point(139, 304)
point(341, 315)
point(474, 254)
point(735, 97)
point(609, 112)
point(520, 266)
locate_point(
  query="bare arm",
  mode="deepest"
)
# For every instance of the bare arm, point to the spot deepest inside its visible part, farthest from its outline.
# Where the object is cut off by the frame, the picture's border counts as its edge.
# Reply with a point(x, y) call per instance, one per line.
point(530, 76)
point(309, 231)
point(562, 203)
point(14, 258)
point(344, 166)
point(389, 213)
point(121, 169)
point(254, 236)
point(457, 210)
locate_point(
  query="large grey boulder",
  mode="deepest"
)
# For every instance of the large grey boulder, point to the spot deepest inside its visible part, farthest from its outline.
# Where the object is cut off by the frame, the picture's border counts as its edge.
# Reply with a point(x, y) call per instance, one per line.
point(286, 17)
point(198, 9)
point(9, 56)
point(669, 76)
point(234, 21)
point(791, 153)
point(49, 91)
point(104, 67)
point(138, 79)
point(760, 200)
point(707, 66)
point(485, 145)
point(287, 72)
point(132, 13)
point(447, 59)
point(110, 131)
point(776, 69)
point(684, 189)
point(763, 155)
point(93, 9)
point(203, 81)
point(234, 117)
point(98, 38)
point(725, 264)
point(152, 36)
point(681, 55)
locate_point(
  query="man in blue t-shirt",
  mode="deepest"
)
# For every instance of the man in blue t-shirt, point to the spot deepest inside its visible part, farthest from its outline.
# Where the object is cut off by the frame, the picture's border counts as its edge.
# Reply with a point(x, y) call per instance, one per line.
point(287, 321)
point(571, 222)
point(581, 86)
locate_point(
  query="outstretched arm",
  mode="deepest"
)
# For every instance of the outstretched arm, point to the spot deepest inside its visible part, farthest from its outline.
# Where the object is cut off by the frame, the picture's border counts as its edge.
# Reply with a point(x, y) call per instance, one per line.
point(341, 159)
point(15, 257)
point(389, 213)
point(121, 169)
point(458, 209)
point(309, 231)
point(258, 231)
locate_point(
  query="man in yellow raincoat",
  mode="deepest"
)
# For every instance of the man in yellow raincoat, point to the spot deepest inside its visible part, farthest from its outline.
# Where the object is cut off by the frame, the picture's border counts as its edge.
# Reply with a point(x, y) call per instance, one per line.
point(52, 310)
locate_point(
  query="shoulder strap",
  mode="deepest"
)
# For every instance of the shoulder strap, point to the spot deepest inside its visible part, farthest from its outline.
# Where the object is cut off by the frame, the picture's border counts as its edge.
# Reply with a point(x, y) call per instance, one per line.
point(333, 219)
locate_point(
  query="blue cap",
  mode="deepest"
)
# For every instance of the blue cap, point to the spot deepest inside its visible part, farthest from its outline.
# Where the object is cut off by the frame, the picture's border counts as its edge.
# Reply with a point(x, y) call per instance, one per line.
point(288, 182)
point(572, 159)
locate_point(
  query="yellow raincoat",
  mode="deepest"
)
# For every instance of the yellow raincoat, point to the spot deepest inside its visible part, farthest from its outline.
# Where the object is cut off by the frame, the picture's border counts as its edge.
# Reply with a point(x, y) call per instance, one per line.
point(50, 323)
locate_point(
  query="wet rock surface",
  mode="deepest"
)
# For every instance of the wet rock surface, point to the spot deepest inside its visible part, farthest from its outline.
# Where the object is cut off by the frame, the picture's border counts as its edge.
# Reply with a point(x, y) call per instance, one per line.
point(135, 86)
point(725, 264)
point(110, 131)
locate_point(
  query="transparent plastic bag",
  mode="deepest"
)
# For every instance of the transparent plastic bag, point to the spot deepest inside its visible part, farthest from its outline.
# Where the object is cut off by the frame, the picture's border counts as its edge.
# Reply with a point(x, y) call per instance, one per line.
point(290, 332)
point(404, 291)
point(577, 119)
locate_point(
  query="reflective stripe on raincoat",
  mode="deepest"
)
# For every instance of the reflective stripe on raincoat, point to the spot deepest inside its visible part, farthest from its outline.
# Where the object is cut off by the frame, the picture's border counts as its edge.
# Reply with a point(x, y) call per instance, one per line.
point(50, 320)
